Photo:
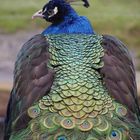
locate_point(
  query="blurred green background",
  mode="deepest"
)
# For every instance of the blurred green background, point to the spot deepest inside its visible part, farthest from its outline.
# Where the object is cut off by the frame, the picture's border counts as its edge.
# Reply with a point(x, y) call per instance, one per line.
point(120, 18)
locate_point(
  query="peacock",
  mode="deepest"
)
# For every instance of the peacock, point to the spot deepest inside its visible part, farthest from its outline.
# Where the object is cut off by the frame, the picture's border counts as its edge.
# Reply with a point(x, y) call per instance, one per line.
point(72, 84)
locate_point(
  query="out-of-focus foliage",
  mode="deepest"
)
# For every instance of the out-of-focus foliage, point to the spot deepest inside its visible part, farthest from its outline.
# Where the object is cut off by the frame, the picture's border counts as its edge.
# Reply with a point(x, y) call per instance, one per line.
point(118, 17)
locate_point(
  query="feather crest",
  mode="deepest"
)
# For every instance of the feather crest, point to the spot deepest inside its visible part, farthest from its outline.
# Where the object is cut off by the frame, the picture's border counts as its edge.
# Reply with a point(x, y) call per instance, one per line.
point(86, 3)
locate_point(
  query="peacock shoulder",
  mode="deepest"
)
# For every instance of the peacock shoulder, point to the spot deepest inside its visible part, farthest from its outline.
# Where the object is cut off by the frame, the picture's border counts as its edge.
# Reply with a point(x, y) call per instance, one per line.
point(119, 73)
point(32, 80)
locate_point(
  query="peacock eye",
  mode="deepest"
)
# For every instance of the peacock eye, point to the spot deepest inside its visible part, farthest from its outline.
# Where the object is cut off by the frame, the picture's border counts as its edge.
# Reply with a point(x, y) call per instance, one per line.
point(50, 11)
point(61, 138)
point(114, 133)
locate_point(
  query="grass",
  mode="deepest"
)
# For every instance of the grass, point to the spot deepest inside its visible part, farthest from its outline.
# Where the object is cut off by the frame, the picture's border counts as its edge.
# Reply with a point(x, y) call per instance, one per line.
point(16, 14)
point(118, 17)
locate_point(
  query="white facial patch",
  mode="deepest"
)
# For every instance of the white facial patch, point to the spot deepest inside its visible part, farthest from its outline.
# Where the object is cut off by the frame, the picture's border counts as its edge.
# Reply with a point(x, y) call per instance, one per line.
point(45, 10)
point(55, 11)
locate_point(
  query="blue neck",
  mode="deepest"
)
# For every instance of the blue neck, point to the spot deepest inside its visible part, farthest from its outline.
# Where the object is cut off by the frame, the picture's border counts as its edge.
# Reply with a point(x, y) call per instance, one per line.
point(71, 24)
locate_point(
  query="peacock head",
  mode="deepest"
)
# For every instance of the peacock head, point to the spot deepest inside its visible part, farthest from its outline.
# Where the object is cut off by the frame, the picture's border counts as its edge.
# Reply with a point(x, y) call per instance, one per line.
point(56, 10)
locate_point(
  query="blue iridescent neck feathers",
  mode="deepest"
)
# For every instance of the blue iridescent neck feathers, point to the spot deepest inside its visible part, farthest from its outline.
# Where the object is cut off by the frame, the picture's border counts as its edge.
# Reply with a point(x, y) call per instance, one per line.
point(80, 25)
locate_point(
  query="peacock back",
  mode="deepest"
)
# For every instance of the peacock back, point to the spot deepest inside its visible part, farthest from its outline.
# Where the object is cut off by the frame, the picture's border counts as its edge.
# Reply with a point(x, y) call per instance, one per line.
point(78, 105)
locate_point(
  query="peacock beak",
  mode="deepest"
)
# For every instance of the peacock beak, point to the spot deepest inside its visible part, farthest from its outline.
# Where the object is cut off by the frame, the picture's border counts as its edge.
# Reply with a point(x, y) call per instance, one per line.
point(38, 14)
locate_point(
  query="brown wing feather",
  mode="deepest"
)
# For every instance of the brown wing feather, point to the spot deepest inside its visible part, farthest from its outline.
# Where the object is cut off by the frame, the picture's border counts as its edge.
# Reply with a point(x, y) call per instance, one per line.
point(119, 73)
point(32, 80)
